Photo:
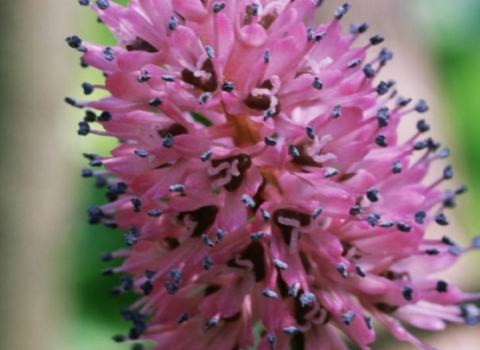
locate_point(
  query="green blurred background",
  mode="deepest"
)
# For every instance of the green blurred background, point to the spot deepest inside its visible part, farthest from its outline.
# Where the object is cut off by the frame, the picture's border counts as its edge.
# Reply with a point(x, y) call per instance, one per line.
point(52, 294)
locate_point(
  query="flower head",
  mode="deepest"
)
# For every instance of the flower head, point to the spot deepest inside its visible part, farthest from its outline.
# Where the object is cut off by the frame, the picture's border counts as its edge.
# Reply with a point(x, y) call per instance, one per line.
point(260, 182)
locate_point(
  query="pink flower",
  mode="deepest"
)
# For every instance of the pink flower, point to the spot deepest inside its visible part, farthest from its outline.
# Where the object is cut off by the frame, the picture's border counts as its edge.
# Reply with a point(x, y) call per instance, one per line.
point(260, 182)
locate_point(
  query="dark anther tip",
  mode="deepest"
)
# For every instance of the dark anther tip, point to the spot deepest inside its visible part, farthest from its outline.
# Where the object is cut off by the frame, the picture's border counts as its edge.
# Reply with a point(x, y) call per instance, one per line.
point(382, 88)
point(105, 116)
point(407, 293)
point(106, 256)
point(376, 39)
point(119, 338)
point(87, 88)
point(103, 4)
point(218, 6)
point(341, 11)
point(155, 102)
point(228, 86)
point(403, 227)
point(107, 272)
point(381, 140)
point(74, 41)
point(441, 287)
point(368, 71)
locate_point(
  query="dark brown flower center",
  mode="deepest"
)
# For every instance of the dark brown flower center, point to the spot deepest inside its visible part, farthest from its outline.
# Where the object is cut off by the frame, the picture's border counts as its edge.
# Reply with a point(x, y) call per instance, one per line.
point(203, 216)
point(141, 45)
point(396, 276)
point(386, 308)
point(267, 20)
point(260, 102)
point(174, 129)
point(286, 230)
point(243, 164)
point(255, 252)
point(209, 85)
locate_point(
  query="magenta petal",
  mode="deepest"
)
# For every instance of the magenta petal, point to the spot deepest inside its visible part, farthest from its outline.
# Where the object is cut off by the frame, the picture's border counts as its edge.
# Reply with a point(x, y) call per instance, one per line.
point(125, 86)
point(191, 10)
point(187, 44)
point(225, 36)
point(190, 146)
point(233, 214)
point(253, 35)
point(135, 60)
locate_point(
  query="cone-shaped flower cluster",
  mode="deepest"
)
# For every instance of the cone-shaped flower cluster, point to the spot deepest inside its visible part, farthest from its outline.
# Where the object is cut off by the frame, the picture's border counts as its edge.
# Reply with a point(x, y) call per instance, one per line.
point(259, 180)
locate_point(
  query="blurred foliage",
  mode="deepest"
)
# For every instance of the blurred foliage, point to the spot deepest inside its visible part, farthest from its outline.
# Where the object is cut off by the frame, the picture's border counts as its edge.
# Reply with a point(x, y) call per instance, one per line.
point(454, 31)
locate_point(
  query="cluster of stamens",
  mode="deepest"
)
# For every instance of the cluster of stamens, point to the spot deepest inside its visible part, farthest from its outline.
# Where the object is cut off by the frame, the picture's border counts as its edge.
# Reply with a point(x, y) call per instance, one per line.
point(259, 181)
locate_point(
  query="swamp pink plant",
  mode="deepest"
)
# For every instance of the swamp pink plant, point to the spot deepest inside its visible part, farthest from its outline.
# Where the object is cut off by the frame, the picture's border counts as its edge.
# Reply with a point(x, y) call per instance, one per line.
point(260, 182)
